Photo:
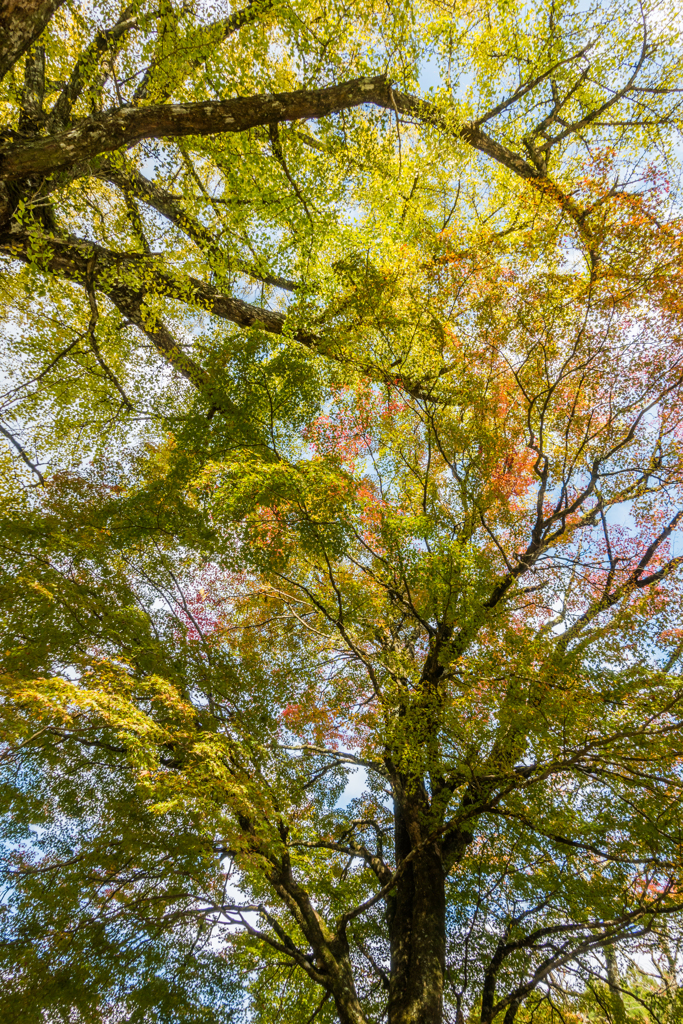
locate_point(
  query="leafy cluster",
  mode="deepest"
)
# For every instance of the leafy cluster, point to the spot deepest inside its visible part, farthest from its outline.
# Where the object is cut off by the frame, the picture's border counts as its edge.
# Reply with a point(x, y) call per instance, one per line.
point(340, 573)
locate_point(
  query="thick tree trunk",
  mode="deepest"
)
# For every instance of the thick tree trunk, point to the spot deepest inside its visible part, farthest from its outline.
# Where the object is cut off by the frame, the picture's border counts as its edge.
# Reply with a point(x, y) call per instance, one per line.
point(417, 924)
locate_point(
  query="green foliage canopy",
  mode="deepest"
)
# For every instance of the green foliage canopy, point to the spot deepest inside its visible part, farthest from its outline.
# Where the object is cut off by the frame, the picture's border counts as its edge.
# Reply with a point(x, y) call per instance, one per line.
point(344, 433)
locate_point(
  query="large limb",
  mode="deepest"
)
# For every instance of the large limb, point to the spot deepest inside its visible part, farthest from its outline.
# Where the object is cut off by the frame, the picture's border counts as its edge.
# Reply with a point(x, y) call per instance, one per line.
point(331, 948)
point(123, 128)
point(31, 113)
point(21, 23)
point(120, 129)
point(329, 964)
point(116, 273)
point(128, 278)
point(120, 277)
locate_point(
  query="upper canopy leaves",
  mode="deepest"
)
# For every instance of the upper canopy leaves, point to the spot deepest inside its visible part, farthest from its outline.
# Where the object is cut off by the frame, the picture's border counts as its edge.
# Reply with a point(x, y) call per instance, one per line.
point(347, 423)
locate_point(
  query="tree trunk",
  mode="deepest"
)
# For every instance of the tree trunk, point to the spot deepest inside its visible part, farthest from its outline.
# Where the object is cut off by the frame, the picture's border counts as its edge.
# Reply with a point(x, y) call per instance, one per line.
point(347, 1004)
point(417, 923)
point(613, 980)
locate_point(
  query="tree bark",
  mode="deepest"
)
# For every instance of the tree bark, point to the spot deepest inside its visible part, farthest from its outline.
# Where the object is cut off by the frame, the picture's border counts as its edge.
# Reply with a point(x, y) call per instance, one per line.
point(613, 980)
point(331, 949)
point(122, 128)
point(417, 921)
point(21, 23)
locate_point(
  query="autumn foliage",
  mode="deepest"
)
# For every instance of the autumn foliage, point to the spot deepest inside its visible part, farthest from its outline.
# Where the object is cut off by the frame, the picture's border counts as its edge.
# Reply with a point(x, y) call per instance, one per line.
point(340, 595)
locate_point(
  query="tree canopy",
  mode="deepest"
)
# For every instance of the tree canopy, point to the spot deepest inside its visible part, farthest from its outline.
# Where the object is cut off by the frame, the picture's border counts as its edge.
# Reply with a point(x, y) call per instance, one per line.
point(341, 566)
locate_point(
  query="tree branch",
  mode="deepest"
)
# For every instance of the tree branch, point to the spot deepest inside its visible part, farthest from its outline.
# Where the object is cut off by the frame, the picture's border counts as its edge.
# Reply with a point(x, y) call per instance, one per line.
point(107, 41)
point(222, 29)
point(131, 181)
point(120, 129)
point(22, 453)
point(21, 23)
